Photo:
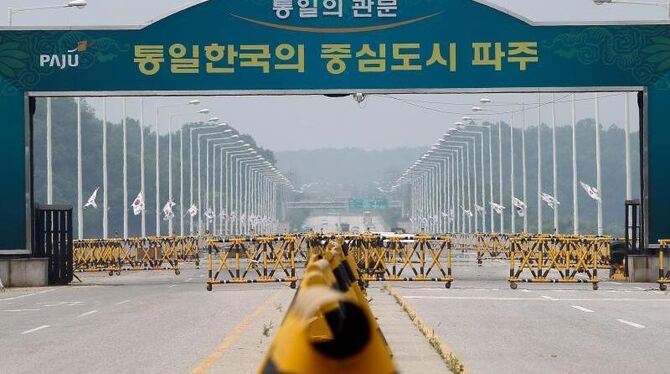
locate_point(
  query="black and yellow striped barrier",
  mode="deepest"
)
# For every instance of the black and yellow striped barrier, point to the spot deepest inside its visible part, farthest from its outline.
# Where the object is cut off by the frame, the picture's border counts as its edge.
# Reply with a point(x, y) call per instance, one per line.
point(329, 327)
point(663, 273)
point(135, 254)
point(556, 259)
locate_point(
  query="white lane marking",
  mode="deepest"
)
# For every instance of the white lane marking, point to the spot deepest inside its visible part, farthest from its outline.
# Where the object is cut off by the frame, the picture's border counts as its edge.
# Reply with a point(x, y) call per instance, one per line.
point(57, 304)
point(35, 329)
point(21, 310)
point(639, 288)
point(582, 308)
point(172, 285)
point(202, 275)
point(189, 279)
point(123, 302)
point(617, 283)
point(629, 323)
point(525, 290)
point(544, 298)
point(472, 298)
point(27, 295)
point(87, 313)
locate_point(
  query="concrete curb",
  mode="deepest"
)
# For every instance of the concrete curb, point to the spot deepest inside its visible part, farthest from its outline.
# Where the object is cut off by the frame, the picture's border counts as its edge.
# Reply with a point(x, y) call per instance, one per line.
point(447, 354)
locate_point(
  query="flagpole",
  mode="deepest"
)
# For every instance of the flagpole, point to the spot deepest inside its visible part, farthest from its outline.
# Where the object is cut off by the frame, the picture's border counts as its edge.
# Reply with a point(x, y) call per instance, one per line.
point(49, 154)
point(629, 180)
point(575, 198)
point(158, 179)
point(144, 223)
point(554, 162)
point(524, 167)
point(539, 164)
point(170, 227)
point(511, 180)
point(80, 202)
point(500, 176)
point(105, 221)
point(125, 169)
point(598, 164)
point(181, 181)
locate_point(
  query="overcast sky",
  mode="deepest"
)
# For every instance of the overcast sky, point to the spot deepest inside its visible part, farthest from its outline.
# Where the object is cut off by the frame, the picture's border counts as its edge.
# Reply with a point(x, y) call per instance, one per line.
point(381, 121)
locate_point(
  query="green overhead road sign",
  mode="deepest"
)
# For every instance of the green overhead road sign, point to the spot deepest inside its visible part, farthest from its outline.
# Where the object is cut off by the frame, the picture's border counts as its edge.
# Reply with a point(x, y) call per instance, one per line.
point(366, 204)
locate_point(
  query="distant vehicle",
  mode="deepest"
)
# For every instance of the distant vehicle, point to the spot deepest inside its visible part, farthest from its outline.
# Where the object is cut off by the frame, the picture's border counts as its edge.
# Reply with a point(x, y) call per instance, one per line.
point(344, 227)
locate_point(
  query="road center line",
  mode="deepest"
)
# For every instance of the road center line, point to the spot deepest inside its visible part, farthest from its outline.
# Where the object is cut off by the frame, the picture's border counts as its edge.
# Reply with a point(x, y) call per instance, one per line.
point(543, 299)
point(582, 308)
point(123, 302)
point(35, 329)
point(172, 285)
point(21, 310)
point(87, 313)
point(27, 295)
point(234, 335)
point(629, 323)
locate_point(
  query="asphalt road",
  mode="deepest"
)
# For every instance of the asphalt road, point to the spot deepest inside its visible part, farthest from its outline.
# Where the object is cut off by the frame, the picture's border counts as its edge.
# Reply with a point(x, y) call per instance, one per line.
point(156, 322)
point(545, 328)
point(137, 323)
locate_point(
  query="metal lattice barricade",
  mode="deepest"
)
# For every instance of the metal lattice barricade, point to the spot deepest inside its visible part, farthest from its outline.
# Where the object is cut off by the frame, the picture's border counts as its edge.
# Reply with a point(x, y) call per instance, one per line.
point(554, 259)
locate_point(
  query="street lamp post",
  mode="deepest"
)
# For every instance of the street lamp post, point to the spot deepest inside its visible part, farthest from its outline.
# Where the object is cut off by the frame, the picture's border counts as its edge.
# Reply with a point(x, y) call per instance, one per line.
point(598, 164)
point(575, 198)
point(539, 164)
point(554, 161)
point(78, 4)
point(181, 168)
point(158, 202)
point(665, 5)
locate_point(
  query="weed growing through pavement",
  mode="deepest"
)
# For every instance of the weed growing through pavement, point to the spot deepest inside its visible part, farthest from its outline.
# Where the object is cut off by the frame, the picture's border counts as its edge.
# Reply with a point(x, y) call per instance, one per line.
point(279, 308)
point(452, 362)
point(267, 327)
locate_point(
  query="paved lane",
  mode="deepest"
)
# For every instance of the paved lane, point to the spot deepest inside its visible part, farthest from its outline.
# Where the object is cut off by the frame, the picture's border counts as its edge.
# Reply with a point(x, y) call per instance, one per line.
point(161, 324)
point(545, 328)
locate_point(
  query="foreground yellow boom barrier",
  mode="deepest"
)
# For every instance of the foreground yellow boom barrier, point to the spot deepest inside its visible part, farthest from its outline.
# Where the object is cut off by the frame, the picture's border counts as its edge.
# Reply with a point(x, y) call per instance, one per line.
point(329, 327)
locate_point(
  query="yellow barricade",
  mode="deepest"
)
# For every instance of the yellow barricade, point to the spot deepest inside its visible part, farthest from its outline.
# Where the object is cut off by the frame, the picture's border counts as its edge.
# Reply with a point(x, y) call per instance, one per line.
point(663, 275)
point(249, 260)
point(554, 259)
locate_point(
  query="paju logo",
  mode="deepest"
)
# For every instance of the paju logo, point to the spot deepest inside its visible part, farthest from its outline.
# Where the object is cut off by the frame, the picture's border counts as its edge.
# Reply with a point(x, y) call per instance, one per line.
point(66, 60)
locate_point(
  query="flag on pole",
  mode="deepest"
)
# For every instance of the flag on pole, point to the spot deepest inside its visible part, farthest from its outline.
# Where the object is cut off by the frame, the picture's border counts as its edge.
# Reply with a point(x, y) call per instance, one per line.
point(210, 215)
point(168, 214)
point(467, 212)
point(550, 200)
point(192, 211)
point(592, 191)
point(497, 208)
point(520, 207)
point(138, 205)
point(91, 200)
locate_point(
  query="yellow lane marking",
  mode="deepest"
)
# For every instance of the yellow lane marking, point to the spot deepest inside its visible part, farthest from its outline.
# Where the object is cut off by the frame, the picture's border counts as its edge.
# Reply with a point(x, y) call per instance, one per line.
point(237, 333)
